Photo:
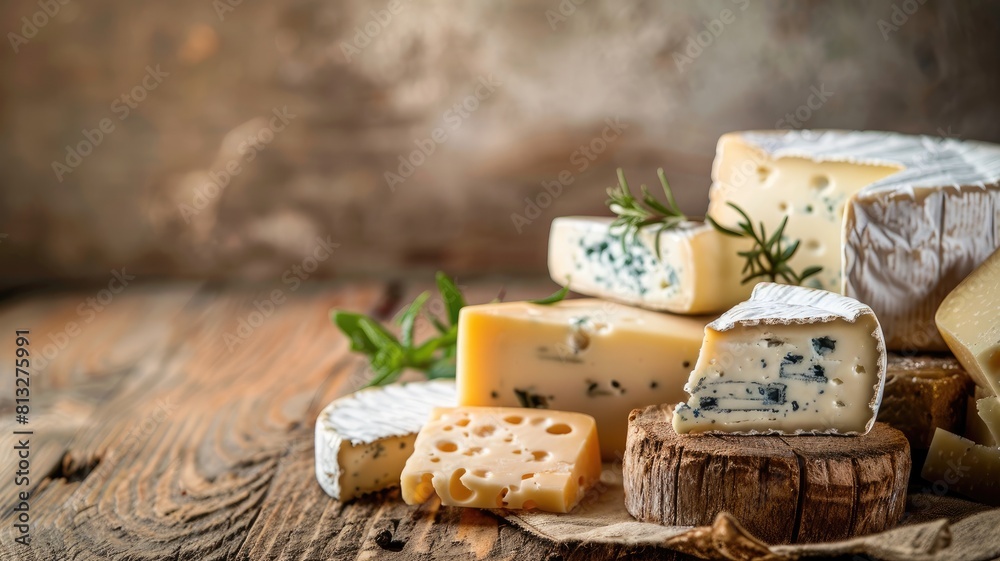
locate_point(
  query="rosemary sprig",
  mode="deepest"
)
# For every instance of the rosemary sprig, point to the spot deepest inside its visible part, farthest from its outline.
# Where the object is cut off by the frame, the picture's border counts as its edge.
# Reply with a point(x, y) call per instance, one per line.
point(390, 355)
point(767, 259)
point(635, 214)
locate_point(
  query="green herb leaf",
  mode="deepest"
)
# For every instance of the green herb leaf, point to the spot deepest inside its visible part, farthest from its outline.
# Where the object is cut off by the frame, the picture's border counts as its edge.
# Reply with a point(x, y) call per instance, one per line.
point(408, 319)
point(444, 368)
point(349, 323)
point(767, 259)
point(557, 296)
point(452, 296)
point(389, 357)
point(633, 214)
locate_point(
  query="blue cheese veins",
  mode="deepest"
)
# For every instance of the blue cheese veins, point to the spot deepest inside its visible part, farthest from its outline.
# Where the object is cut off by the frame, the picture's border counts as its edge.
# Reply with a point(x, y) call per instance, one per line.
point(791, 360)
point(696, 271)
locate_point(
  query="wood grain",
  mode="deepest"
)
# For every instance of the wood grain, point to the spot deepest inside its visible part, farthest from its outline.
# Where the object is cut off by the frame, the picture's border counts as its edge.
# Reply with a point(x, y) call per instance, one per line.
point(782, 489)
point(155, 439)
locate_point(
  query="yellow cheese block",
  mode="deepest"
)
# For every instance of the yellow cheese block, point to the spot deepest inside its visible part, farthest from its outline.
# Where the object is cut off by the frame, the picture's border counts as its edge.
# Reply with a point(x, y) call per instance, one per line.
point(503, 457)
point(591, 356)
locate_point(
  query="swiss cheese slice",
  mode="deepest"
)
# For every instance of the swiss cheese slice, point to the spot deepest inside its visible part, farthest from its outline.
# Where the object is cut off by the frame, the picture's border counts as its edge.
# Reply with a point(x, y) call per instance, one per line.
point(790, 360)
point(504, 457)
point(895, 221)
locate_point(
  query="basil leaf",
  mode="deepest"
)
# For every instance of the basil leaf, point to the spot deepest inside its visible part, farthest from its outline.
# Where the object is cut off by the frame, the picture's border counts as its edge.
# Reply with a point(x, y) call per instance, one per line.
point(349, 324)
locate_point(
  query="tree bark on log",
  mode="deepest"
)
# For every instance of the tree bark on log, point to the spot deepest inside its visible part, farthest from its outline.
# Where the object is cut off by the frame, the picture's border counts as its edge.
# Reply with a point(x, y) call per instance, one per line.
point(783, 489)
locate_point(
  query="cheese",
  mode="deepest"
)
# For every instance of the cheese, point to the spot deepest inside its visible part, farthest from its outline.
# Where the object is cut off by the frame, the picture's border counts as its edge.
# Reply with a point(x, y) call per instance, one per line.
point(922, 394)
point(989, 412)
point(591, 356)
point(976, 429)
point(363, 439)
point(960, 465)
point(791, 360)
point(969, 321)
point(696, 271)
point(503, 457)
point(895, 221)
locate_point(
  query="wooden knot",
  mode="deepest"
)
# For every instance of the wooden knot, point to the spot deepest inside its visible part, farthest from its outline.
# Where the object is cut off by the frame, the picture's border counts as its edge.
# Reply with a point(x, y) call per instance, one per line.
point(383, 539)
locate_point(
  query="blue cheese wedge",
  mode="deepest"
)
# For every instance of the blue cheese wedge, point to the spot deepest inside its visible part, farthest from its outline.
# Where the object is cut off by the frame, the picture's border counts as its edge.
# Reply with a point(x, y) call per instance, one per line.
point(695, 271)
point(790, 360)
point(364, 439)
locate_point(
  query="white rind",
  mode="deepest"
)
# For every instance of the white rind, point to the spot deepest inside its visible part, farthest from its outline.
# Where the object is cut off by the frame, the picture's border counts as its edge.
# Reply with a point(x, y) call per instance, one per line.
point(911, 237)
point(779, 304)
point(371, 414)
point(772, 303)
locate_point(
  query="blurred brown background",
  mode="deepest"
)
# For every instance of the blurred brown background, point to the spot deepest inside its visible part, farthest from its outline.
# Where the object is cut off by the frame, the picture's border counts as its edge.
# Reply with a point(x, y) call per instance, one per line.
point(222, 138)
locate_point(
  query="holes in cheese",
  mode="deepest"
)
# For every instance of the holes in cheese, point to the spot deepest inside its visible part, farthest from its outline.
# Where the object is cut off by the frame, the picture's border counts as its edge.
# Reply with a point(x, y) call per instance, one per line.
point(547, 462)
point(518, 353)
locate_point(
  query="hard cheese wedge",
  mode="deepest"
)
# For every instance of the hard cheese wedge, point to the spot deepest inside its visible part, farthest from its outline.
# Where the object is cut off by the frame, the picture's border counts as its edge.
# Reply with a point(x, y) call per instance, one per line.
point(976, 429)
point(695, 271)
point(969, 321)
point(989, 412)
point(791, 360)
point(504, 457)
point(963, 466)
point(364, 439)
point(591, 356)
point(895, 221)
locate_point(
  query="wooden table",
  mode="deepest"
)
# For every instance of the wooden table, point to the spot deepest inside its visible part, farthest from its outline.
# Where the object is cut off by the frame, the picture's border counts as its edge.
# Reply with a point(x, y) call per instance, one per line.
point(177, 423)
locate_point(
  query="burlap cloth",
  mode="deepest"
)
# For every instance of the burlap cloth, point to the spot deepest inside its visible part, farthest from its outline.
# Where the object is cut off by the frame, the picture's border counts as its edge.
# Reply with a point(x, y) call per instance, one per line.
point(934, 528)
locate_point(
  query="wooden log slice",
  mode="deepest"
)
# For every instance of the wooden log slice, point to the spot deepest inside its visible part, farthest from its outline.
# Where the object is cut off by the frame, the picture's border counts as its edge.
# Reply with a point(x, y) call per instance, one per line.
point(783, 489)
